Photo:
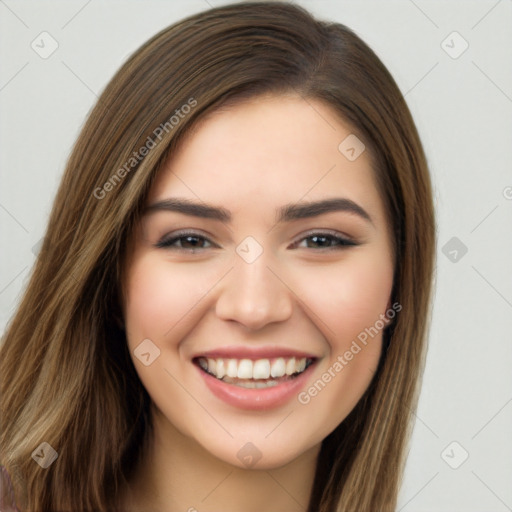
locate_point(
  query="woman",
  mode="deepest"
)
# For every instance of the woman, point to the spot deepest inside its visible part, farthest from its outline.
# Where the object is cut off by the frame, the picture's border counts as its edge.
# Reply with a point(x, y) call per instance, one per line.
point(230, 307)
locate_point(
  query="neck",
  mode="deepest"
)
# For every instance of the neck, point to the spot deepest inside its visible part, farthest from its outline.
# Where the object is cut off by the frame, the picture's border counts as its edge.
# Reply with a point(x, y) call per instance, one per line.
point(177, 474)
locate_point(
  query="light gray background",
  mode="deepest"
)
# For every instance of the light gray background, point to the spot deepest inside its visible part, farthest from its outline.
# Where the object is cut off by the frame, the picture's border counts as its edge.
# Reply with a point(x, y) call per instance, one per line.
point(463, 109)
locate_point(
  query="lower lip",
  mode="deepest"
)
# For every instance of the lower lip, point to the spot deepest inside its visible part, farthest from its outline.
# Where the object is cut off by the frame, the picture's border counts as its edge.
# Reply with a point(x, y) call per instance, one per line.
point(256, 399)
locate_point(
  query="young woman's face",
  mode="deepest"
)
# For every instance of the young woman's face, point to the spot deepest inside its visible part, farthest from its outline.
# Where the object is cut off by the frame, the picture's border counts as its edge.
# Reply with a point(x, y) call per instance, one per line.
point(259, 282)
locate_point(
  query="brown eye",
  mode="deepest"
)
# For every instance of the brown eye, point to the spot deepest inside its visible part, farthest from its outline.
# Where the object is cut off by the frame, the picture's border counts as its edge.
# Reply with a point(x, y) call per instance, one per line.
point(324, 241)
point(185, 241)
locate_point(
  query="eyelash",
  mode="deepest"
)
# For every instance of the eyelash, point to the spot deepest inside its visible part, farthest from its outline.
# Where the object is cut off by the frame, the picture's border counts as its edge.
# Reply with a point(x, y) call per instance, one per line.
point(169, 242)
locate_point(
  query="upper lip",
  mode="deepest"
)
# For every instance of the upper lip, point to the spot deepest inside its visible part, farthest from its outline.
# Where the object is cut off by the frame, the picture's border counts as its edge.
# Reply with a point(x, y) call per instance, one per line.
point(245, 352)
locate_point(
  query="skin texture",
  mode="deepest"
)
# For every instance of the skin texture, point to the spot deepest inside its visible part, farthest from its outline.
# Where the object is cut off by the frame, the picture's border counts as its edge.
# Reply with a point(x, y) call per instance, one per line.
point(252, 159)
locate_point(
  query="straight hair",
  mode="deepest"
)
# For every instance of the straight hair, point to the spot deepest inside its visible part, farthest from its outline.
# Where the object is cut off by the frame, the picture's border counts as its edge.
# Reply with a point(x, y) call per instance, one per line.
point(67, 378)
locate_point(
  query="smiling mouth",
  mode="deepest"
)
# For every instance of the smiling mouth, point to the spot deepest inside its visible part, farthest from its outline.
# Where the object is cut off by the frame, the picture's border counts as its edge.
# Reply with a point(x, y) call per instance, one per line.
point(254, 374)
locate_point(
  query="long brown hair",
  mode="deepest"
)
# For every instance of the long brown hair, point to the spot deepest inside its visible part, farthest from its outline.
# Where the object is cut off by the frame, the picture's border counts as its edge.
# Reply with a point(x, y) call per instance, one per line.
point(66, 375)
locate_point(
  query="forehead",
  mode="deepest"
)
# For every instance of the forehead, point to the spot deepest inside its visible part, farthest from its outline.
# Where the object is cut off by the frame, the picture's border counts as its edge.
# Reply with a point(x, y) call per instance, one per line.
point(268, 151)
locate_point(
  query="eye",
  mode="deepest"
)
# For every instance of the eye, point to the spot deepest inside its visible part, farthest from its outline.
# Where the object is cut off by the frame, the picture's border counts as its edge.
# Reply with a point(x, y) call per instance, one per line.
point(185, 242)
point(324, 241)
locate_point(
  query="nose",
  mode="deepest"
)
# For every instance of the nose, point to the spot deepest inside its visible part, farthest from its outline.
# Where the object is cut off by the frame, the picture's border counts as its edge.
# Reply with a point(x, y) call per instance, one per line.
point(254, 296)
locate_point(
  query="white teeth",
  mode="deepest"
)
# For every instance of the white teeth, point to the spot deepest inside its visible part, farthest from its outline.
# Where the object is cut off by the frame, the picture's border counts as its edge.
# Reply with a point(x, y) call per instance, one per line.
point(261, 369)
point(252, 384)
point(245, 369)
point(300, 365)
point(212, 366)
point(290, 366)
point(266, 384)
point(278, 368)
point(232, 368)
point(221, 369)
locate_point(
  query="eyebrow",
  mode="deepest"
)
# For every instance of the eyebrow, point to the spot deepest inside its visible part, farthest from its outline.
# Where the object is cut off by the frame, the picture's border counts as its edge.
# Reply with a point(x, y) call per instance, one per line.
point(286, 213)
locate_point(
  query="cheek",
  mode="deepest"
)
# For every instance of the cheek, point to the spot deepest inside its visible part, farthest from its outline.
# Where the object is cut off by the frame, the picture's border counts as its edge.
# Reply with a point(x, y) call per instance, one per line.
point(348, 308)
point(350, 298)
point(163, 303)
point(160, 300)
point(151, 302)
